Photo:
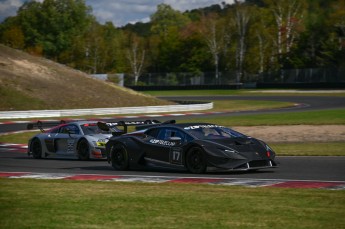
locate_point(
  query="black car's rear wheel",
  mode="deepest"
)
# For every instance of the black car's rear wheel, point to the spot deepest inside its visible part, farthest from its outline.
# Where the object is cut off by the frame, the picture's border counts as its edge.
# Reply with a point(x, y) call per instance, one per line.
point(195, 160)
point(119, 157)
point(83, 150)
point(36, 148)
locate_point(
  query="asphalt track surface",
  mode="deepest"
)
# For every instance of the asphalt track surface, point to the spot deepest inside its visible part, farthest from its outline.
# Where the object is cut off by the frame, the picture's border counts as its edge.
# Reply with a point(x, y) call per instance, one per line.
point(290, 168)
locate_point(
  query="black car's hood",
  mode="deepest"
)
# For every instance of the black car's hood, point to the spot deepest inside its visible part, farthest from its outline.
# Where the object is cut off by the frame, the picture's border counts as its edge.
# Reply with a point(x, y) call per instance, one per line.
point(236, 149)
point(240, 145)
point(231, 142)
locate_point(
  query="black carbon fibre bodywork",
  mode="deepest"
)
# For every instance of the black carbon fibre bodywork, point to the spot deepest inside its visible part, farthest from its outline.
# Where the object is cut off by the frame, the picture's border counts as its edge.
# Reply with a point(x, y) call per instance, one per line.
point(187, 147)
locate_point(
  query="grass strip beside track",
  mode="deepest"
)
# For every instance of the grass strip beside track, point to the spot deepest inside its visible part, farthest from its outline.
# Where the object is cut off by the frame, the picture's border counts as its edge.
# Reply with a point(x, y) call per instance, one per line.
point(262, 92)
point(322, 117)
point(309, 148)
point(18, 138)
point(245, 105)
point(88, 204)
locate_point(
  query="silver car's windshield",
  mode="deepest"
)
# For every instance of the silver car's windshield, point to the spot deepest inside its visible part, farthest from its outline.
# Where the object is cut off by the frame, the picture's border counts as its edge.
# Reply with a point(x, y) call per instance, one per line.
point(92, 128)
point(210, 132)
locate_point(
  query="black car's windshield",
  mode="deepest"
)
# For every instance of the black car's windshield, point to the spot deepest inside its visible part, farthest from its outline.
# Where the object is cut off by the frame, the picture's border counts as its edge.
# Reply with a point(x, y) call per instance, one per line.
point(210, 132)
point(92, 128)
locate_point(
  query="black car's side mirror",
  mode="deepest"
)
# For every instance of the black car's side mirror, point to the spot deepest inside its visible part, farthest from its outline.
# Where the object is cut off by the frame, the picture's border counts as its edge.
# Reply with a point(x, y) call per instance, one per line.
point(176, 140)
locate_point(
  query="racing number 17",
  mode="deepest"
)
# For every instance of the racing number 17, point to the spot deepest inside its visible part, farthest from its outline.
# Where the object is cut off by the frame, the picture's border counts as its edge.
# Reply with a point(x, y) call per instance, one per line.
point(176, 157)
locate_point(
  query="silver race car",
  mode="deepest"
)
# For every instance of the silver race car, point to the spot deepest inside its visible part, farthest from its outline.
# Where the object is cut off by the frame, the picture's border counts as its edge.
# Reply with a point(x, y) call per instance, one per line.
point(80, 139)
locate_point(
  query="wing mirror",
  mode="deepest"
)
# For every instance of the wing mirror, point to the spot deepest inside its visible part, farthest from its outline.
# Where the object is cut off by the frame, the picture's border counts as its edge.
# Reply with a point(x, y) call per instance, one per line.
point(70, 132)
point(176, 140)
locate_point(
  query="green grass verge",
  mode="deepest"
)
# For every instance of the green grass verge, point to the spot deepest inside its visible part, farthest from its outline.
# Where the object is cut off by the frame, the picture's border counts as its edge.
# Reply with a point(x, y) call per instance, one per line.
point(309, 149)
point(13, 99)
point(18, 138)
point(29, 203)
point(194, 92)
point(240, 105)
point(323, 117)
point(241, 92)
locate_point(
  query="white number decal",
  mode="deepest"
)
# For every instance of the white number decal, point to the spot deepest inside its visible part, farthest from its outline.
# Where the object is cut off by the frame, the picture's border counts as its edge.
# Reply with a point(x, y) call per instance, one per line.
point(176, 156)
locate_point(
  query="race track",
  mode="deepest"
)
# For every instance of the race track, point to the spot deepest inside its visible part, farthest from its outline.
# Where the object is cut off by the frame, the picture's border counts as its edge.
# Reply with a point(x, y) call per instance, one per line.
point(290, 168)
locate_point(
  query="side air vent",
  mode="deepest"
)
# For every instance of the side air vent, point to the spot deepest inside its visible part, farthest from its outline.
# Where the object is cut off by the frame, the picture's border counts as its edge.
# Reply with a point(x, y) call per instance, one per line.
point(244, 142)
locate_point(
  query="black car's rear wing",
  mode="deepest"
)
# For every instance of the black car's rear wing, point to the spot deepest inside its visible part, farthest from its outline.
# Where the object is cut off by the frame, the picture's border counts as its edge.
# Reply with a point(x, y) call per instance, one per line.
point(145, 126)
point(41, 125)
point(139, 125)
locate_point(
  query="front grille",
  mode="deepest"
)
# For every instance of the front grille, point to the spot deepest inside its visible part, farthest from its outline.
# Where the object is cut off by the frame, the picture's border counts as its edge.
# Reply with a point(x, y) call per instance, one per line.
point(261, 163)
point(253, 165)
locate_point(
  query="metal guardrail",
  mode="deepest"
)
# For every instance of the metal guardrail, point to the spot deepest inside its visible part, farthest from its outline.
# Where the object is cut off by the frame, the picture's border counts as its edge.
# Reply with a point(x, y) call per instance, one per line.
point(104, 111)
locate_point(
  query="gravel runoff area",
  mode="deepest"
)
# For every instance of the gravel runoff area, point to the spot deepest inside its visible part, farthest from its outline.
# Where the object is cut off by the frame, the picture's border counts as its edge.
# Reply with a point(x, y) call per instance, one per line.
point(295, 133)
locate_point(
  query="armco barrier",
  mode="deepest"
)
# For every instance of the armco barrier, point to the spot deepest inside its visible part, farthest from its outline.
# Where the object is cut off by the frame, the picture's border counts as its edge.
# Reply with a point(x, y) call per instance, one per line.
point(104, 111)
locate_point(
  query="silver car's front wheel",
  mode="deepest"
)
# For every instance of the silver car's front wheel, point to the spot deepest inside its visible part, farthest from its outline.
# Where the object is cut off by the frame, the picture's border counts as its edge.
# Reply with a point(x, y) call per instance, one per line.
point(36, 148)
point(83, 150)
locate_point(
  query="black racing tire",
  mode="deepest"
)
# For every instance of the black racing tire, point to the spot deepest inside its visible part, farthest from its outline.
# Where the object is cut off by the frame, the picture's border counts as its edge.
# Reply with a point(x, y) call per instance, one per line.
point(83, 150)
point(119, 157)
point(195, 160)
point(36, 148)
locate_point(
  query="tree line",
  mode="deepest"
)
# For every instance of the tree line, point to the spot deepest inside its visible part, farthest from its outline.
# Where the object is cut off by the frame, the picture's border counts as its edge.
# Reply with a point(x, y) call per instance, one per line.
point(247, 37)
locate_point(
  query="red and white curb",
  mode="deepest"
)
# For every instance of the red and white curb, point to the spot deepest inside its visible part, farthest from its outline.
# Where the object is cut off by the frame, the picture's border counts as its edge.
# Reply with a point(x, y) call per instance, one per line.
point(18, 148)
point(329, 185)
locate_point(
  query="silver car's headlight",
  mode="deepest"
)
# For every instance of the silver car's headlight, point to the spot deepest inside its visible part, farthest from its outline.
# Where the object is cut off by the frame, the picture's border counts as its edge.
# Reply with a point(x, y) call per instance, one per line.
point(101, 142)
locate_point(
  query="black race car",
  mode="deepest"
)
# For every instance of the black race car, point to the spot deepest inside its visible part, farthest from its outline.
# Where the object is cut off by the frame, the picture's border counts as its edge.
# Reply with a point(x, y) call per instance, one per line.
point(197, 147)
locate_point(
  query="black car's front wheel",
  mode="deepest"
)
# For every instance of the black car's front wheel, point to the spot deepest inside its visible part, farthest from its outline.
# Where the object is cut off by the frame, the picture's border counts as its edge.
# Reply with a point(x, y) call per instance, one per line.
point(195, 160)
point(83, 150)
point(119, 157)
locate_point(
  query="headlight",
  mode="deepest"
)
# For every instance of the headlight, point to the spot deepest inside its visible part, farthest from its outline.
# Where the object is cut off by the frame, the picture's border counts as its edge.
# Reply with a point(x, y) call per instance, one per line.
point(268, 148)
point(101, 142)
point(231, 153)
point(269, 152)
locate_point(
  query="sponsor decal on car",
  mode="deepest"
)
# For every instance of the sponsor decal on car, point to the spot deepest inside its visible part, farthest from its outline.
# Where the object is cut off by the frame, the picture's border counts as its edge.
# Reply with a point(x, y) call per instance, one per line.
point(200, 127)
point(162, 142)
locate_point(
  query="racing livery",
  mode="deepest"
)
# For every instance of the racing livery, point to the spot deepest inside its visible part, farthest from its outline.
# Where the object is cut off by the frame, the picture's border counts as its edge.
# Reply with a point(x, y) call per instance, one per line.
point(196, 147)
point(80, 139)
